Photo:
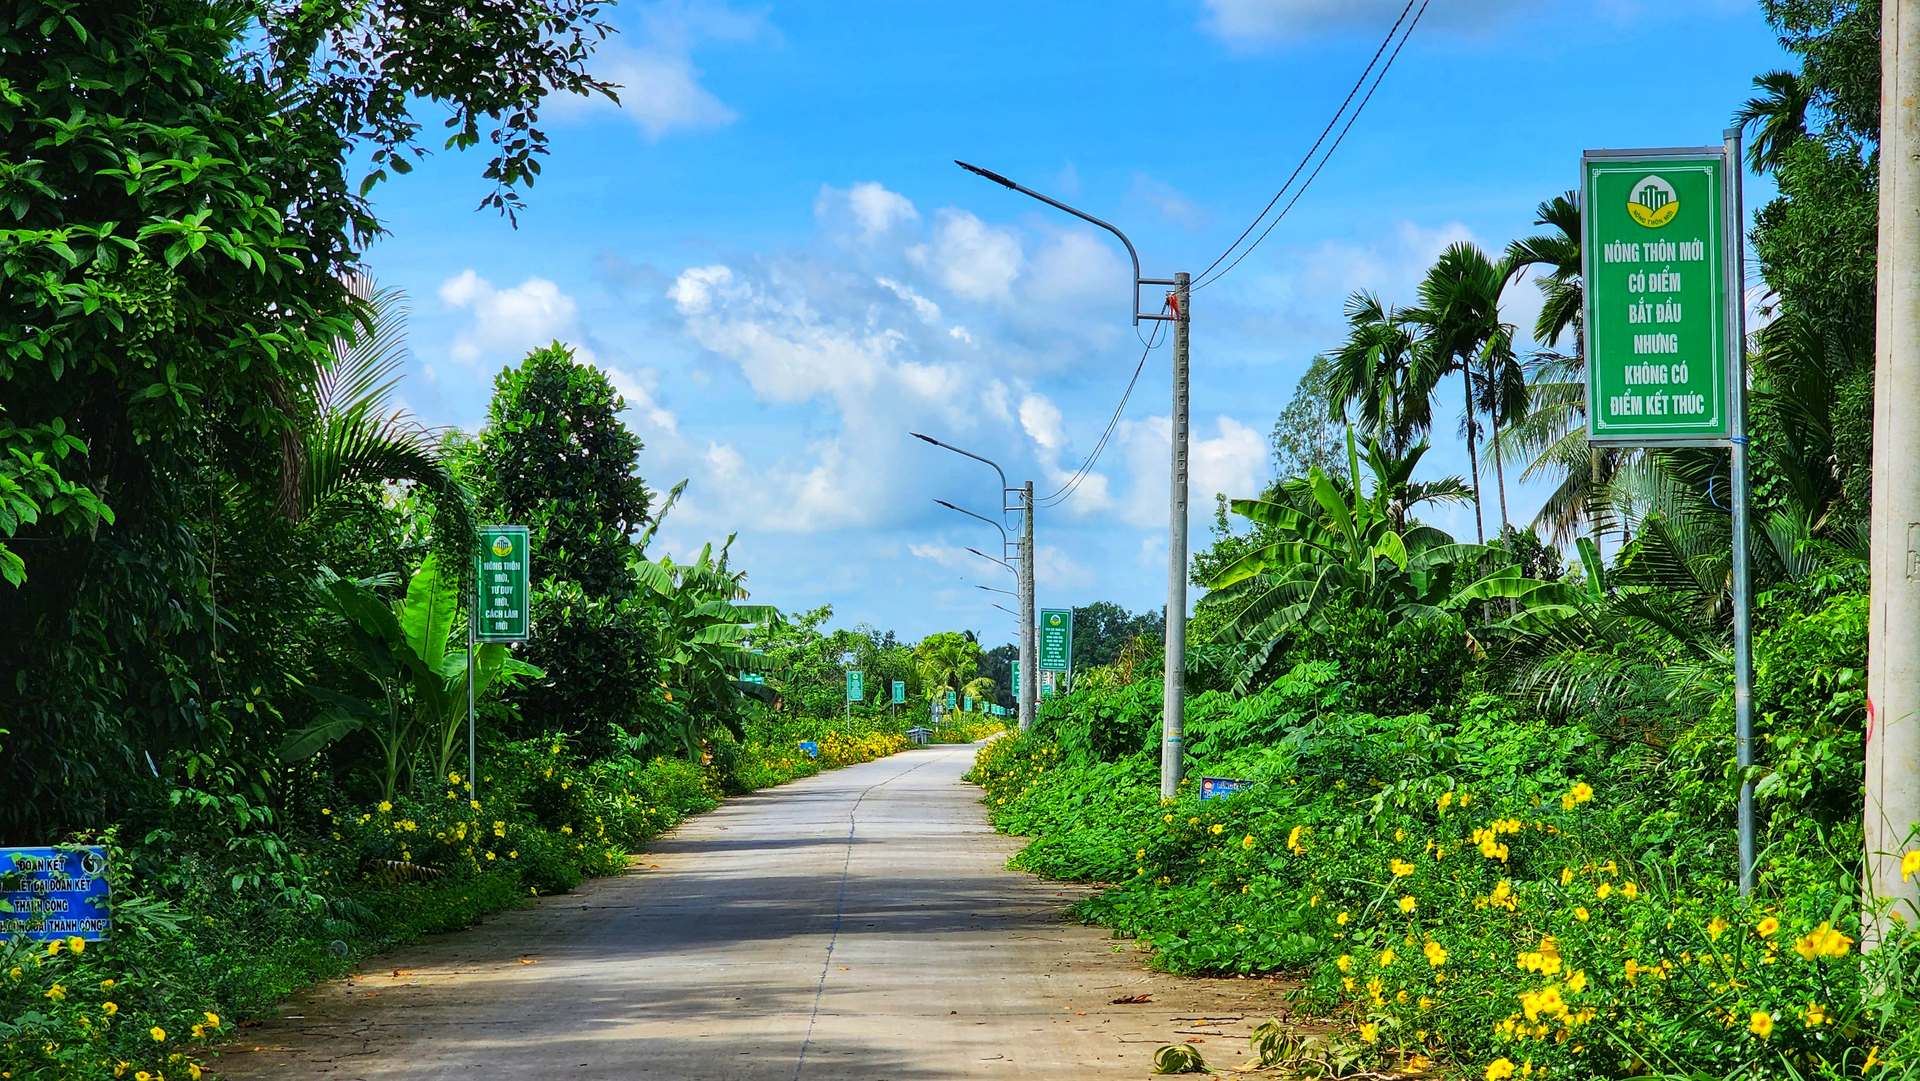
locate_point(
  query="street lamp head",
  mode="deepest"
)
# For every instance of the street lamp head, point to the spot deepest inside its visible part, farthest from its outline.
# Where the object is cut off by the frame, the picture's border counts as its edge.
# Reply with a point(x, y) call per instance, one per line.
point(946, 504)
point(988, 173)
point(925, 438)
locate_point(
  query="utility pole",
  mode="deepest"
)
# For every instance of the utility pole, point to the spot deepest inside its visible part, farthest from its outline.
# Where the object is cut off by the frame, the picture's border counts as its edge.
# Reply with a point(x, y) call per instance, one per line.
point(1028, 688)
point(1893, 633)
point(1742, 528)
point(1174, 708)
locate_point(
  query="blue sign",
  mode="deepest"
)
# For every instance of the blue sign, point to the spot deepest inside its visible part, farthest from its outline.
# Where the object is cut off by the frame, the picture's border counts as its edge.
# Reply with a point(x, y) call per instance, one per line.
point(810, 748)
point(54, 893)
point(1219, 787)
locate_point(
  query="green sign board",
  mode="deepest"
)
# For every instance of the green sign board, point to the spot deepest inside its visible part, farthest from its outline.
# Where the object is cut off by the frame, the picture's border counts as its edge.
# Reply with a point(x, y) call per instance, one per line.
point(502, 573)
point(1016, 681)
point(950, 700)
point(856, 691)
point(1658, 308)
point(1056, 639)
point(899, 692)
point(969, 704)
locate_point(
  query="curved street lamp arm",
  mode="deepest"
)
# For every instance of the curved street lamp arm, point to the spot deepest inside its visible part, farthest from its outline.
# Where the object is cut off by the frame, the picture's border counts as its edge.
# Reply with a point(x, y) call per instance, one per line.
point(990, 589)
point(968, 453)
point(1003, 529)
point(1083, 216)
point(1001, 563)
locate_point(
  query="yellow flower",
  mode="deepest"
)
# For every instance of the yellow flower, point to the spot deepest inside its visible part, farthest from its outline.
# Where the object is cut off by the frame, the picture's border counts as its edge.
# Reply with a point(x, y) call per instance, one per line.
point(1166, 818)
point(1715, 928)
point(385, 806)
point(1247, 841)
point(1293, 841)
point(1577, 982)
point(77, 944)
point(53, 948)
point(159, 1034)
point(213, 1019)
point(1581, 914)
point(1401, 868)
point(1582, 792)
point(1761, 1024)
point(199, 1031)
point(1500, 1069)
point(1824, 941)
point(1436, 955)
point(109, 1008)
point(1369, 1032)
point(1873, 1059)
point(56, 992)
point(142, 1075)
point(1386, 957)
point(1408, 904)
point(1566, 875)
point(193, 1071)
point(14, 973)
point(1816, 1015)
point(1215, 828)
point(1193, 821)
point(1446, 800)
point(1345, 963)
point(1767, 927)
point(1606, 888)
point(1630, 891)
point(1910, 864)
point(1341, 919)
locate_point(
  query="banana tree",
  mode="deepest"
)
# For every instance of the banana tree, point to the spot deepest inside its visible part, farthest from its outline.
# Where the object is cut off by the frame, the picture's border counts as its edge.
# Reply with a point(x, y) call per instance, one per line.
point(702, 642)
point(408, 690)
point(1338, 544)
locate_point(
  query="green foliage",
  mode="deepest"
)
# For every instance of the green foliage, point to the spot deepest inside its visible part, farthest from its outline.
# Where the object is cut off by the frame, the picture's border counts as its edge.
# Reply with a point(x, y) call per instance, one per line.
point(1484, 888)
point(601, 671)
point(555, 457)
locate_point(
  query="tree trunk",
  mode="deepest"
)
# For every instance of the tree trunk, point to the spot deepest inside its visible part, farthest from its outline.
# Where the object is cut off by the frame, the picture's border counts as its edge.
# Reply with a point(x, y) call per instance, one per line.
point(1500, 479)
point(1473, 460)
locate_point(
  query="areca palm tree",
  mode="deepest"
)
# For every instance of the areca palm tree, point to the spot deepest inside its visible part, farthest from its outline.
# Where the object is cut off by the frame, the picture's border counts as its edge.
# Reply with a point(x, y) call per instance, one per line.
point(1459, 315)
point(1779, 118)
point(1558, 251)
point(1379, 372)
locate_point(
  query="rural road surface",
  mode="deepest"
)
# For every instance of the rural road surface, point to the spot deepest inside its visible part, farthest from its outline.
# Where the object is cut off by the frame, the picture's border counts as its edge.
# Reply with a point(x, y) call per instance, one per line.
point(860, 924)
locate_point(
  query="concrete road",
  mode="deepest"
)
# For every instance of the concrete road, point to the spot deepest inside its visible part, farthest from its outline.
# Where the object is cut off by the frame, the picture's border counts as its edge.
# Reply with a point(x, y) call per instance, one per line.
point(858, 924)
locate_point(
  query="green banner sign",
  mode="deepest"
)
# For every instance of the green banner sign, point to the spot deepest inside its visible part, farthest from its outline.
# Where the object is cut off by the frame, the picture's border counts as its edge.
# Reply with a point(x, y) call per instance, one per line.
point(856, 691)
point(1654, 266)
point(1056, 639)
point(950, 700)
point(1016, 681)
point(503, 574)
point(899, 692)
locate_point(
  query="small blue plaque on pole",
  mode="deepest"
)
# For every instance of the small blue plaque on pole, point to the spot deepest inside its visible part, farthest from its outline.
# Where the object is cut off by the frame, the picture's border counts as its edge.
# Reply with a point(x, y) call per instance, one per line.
point(1219, 787)
point(54, 893)
point(810, 748)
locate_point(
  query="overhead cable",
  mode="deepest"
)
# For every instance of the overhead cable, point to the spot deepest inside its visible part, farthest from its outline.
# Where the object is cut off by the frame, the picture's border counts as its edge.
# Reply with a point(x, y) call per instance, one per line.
point(1201, 280)
point(1065, 491)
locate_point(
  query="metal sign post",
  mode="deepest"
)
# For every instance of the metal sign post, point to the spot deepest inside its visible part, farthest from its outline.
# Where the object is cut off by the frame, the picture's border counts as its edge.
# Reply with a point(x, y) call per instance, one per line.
point(856, 692)
point(501, 611)
point(1663, 262)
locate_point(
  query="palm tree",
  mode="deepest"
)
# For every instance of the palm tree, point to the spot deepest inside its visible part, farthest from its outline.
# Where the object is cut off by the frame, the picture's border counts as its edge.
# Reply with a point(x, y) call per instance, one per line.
point(1377, 372)
point(1779, 118)
point(1459, 314)
point(1560, 252)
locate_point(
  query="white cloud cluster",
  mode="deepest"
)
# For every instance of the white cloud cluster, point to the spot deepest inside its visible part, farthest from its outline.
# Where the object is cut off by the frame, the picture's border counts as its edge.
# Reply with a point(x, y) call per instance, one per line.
point(508, 322)
point(652, 64)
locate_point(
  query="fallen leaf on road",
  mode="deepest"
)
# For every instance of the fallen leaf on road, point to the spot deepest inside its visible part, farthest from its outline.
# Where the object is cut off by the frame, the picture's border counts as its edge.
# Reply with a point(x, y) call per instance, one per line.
point(529, 961)
point(1131, 1000)
point(843, 968)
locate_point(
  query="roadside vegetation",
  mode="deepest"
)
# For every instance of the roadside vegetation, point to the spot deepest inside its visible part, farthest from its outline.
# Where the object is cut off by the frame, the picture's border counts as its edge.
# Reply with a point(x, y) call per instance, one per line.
point(1488, 814)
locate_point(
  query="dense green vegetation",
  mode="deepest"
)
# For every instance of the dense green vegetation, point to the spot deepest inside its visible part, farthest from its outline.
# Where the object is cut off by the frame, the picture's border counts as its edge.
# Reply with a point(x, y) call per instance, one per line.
point(1490, 794)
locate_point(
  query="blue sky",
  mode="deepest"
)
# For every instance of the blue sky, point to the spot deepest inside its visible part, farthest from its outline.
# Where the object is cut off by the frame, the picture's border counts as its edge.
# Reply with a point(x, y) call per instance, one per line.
point(769, 248)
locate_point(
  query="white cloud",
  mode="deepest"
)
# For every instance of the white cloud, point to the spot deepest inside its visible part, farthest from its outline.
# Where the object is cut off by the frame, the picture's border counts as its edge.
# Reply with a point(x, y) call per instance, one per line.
point(974, 260)
point(1055, 569)
point(1167, 202)
point(1254, 23)
point(509, 321)
point(1076, 265)
point(1041, 420)
point(927, 310)
point(659, 85)
point(1233, 461)
point(876, 211)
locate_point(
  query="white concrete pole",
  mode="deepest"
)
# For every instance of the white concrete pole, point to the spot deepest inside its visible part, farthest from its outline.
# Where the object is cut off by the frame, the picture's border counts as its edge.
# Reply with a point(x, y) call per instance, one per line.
point(1174, 706)
point(1029, 677)
point(1893, 637)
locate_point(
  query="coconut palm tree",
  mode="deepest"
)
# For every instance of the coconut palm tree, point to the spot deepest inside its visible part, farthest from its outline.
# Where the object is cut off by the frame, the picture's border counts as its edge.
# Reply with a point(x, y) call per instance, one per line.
point(1377, 373)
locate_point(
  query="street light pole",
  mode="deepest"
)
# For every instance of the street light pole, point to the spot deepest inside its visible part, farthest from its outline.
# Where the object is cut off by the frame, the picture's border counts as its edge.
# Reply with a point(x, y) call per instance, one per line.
point(1028, 697)
point(1173, 708)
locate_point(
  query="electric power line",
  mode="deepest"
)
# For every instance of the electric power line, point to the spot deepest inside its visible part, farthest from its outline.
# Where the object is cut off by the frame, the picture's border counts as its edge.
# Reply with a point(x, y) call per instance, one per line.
point(1065, 491)
point(1355, 115)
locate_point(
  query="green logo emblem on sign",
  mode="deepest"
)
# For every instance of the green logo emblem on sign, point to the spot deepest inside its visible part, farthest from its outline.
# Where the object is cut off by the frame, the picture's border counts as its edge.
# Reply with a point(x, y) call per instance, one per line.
point(1653, 203)
point(502, 546)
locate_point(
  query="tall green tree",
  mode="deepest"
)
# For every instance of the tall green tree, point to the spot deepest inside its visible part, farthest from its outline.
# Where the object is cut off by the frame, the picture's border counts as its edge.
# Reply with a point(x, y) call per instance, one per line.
point(555, 457)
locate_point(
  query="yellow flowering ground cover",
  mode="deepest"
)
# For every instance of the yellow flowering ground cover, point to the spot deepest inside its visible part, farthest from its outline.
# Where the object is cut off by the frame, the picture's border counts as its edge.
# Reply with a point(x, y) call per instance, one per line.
point(343, 882)
point(1478, 895)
